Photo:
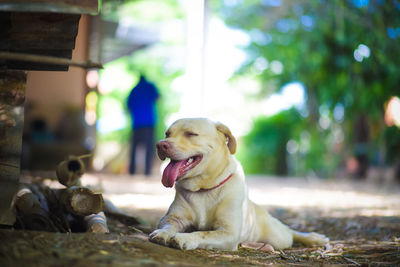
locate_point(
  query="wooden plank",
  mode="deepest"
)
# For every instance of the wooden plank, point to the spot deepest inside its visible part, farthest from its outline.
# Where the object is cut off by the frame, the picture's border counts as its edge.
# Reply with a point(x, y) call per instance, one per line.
point(41, 41)
point(26, 65)
point(43, 31)
point(44, 34)
point(44, 23)
point(61, 53)
point(51, 6)
point(23, 65)
point(5, 22)
point(48, 60)
point(46, 31)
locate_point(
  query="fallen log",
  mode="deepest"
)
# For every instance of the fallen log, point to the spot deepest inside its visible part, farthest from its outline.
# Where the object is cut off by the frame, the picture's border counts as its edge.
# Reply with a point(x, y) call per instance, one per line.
point(81, 201)
point(71, 170)
point(32, 210)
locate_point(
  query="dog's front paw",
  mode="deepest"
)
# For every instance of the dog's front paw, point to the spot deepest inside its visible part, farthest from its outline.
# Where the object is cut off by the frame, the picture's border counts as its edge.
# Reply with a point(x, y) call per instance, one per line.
point(186, 241)
point(161, 236)
point(318, 239)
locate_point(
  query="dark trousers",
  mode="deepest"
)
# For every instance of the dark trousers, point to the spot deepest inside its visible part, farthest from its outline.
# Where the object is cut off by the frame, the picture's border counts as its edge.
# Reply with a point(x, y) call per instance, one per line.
point(142, 136)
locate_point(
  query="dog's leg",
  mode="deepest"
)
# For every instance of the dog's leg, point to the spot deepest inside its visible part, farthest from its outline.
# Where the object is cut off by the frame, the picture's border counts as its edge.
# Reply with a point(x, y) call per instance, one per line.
point(169, 225)
point(220, 239)
point(274, 232)
point(225, 231)
point(177, 219)
point(310, 239)
point(280, 236)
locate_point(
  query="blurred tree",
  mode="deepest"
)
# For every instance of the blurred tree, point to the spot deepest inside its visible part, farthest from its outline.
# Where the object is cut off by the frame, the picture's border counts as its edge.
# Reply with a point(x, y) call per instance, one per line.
point(346, 53)
point(266, 143)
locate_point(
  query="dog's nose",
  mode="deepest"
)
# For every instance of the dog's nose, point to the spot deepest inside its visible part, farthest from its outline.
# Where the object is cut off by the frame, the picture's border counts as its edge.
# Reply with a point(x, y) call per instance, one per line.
point(163, 145)
point(163, 149)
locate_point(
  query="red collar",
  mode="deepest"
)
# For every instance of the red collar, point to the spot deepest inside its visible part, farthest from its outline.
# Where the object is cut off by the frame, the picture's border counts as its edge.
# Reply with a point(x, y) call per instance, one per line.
point(218, 185)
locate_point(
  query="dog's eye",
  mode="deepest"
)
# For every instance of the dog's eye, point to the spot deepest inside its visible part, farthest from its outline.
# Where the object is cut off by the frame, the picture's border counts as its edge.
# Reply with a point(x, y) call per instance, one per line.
point(167, 134)
point(190, 134)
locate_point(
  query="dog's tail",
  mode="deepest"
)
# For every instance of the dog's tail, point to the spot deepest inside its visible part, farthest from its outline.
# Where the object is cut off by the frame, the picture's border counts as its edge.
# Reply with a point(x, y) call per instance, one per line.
point(310, 239)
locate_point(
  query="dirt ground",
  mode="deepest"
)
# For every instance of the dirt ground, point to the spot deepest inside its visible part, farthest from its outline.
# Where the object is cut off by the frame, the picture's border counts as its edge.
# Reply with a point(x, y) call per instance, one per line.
point(362, 220)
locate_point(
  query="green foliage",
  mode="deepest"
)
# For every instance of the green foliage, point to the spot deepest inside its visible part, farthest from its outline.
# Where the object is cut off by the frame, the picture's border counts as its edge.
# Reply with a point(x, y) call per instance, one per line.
point(319, 43)
point(141, 10)
point(321, 159)
point(263, 149)
point(119, 80)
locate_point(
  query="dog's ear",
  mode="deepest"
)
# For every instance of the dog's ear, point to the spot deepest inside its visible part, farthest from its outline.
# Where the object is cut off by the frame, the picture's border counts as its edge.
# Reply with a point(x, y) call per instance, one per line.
point(231, 139)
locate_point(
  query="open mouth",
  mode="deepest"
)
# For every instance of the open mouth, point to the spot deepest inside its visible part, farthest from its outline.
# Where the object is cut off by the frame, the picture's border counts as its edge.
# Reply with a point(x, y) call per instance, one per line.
point(178, 168)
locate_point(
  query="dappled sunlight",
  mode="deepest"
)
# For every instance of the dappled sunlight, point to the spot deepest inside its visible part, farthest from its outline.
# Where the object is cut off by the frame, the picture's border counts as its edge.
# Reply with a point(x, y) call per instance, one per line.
point(131, 192)
point(291, 94)
point(333, 198)
point(333, 201)
point(141, 201)
point(392, 113)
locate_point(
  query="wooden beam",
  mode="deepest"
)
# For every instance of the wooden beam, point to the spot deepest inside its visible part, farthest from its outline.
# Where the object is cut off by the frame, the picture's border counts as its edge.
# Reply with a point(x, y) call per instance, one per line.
point(52, 6)
point(49, 60)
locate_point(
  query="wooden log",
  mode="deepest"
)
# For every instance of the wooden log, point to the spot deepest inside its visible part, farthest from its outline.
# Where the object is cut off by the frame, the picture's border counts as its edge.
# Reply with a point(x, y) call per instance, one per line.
point(38, 207)
point(32, 210)
point(70, 171)
point(81, 201)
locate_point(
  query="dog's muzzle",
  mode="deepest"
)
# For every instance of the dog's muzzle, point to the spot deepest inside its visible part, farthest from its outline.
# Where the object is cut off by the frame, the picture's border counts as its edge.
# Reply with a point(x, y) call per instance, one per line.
point(164, 148)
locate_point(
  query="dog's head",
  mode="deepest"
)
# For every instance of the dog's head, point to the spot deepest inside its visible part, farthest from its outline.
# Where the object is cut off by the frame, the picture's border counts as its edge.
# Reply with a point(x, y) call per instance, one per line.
point(198, 148)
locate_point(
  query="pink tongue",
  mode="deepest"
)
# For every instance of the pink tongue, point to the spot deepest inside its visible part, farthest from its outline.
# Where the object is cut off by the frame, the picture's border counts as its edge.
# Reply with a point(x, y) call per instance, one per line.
point(171, 173)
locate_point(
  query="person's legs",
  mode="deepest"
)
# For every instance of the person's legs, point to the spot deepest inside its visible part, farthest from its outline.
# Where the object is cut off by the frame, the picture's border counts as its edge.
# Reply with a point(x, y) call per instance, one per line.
point(132, 163)
point(149, 142)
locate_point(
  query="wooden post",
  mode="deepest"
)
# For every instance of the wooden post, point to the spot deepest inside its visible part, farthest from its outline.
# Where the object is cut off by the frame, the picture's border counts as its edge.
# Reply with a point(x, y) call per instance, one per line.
point(12, 98)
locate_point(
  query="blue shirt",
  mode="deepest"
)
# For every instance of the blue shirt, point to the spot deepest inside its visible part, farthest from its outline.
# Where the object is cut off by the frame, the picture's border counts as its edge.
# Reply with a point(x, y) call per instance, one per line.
point(141, 104)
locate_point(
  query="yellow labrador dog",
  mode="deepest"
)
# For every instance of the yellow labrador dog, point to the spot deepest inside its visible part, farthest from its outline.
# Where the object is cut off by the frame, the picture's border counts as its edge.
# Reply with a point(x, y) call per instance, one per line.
point(211, 208)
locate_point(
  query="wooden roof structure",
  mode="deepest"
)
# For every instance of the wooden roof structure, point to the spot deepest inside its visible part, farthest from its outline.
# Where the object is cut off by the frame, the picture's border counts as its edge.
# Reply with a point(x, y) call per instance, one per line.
point(40, 34)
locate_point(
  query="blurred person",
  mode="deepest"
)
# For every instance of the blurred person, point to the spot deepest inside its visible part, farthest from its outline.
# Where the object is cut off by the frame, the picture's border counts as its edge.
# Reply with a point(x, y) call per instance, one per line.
point(141, 105)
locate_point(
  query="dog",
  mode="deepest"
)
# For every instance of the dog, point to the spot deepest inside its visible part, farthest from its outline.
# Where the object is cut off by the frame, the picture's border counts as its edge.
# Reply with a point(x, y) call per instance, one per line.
point(211, 209)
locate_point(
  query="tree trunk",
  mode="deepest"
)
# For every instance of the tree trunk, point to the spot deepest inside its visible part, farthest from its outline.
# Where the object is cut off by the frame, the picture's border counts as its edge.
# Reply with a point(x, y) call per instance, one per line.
point(12, 98)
